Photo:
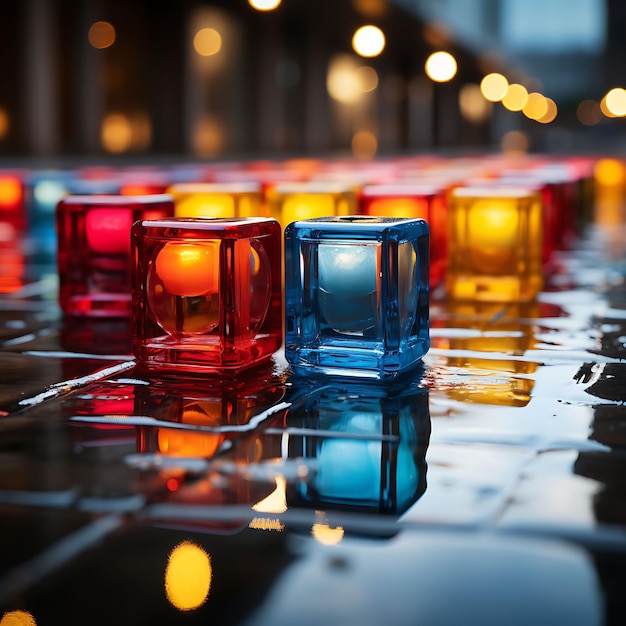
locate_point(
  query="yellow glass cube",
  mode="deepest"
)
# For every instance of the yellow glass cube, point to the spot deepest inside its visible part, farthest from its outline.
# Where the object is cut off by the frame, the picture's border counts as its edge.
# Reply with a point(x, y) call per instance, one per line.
point(494, 244)
point(291, 202)
point(218, 200)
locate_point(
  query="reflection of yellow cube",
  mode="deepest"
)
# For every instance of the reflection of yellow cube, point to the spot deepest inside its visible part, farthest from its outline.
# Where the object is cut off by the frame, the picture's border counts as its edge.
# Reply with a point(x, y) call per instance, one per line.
point(217, 200)
point(494, 244)
point(291, 202)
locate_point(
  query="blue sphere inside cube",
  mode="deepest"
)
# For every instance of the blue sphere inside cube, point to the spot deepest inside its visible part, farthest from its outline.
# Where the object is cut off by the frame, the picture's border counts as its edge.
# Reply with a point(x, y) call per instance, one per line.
point(357, 295)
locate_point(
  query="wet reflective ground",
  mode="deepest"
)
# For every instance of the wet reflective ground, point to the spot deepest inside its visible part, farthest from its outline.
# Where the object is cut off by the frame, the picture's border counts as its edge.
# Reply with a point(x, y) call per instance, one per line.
point(488, 487)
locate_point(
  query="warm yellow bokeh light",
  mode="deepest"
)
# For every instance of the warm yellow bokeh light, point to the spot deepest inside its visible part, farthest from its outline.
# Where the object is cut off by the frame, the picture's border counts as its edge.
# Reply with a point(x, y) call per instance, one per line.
point(536, 106)
point(368, 41)
point(208, 137)
point(342, 80)
point(101, 35)
point(4, 123)
point(441, 67)
point(605, 109)
point(264, 5)
point(515, 142)
point(364, 144)
point(367, 78)
point(473, 105)
point(515, 97)
point(610, 172)
point(551, 113)
point(116, 133)
point(494, 87)
point(207, 42)
point(17, 618)
point(188, 576)
point(616, 101)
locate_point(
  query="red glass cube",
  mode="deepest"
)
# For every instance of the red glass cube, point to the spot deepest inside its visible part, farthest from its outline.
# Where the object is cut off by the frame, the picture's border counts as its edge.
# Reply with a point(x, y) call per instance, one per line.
point(93, 255)
point(207, 293)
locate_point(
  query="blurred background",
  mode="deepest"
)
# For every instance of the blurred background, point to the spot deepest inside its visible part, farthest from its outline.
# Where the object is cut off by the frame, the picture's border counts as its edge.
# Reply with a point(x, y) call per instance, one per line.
point(244, 78)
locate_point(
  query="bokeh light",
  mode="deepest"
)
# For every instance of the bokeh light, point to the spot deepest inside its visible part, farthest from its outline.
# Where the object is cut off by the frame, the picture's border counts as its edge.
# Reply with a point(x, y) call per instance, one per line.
point(264, 5)
point(207, 42)
point(473, 105)
point(494, 87)
point(116, 133)
point(441, 67)
point(4, 123)
point(589, 113)
point(536, 106)
point(342, 79)
point(515, 142)
point(616, 101)
point(368, 41)
point(364, 144)
point(101, 35)
point(367, 78)
point(550, 114)
point(515, 97)
point(188, 576)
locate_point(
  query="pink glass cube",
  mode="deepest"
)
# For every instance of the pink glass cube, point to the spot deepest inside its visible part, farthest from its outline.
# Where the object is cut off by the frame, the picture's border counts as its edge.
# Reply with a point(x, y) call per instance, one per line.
point(93, 255)
point(207, 293)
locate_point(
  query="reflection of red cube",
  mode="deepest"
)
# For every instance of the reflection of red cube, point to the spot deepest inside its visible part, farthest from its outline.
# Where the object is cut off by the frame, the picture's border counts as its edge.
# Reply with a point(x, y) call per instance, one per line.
point(207, 293)
point(410, 200)
point(94, 250)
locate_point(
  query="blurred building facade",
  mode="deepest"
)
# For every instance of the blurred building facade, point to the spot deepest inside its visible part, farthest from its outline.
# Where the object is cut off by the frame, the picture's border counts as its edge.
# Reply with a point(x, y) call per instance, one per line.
point(222, 80)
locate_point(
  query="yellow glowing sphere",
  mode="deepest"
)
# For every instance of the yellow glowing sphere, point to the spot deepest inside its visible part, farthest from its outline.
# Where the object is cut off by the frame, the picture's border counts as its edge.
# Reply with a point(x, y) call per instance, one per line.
point(264, 5)
point(188, 576)
point(116, 133)
point(207, 42)
point(515, 97)
point(494, 87)
point(441, 67)
point(368, 41)
point(616, 101)
point(189, 269)
point(536, 106)
point(101, 35)
point(550, 114)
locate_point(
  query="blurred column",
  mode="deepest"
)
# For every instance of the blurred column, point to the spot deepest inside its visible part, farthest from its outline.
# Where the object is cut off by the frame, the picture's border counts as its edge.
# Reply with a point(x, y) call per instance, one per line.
point(40, 78)
point(317, 118)
point(89, 88)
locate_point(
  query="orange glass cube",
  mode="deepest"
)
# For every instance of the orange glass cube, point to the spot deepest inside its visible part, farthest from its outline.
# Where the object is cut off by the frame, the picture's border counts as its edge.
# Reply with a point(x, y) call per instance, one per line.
point(291, 202)
point(495, 239)
point(217, 199)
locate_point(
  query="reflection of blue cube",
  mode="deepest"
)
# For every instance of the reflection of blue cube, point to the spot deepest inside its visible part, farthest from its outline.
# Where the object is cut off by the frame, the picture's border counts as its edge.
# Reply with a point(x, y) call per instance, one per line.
point(356, 291)
point(368, 441)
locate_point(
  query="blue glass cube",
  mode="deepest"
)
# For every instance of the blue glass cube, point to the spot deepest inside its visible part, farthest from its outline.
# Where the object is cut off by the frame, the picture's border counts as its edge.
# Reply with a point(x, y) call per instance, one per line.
point(357, 295)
